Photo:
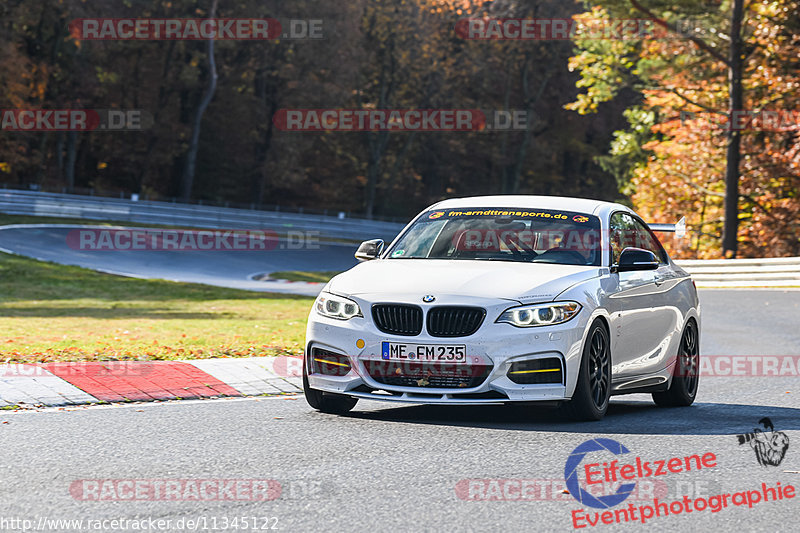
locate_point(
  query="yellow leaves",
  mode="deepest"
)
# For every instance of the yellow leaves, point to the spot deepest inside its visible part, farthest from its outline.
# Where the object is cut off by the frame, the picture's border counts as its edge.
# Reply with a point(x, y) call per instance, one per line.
point(5, 167)
point(583, 105)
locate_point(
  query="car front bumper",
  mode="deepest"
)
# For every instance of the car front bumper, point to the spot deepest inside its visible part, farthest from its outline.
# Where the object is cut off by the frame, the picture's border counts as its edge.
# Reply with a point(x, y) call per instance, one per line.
point(494, 347)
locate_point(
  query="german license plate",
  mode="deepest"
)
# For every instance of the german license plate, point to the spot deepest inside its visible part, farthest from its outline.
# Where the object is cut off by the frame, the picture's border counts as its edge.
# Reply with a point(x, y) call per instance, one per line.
point(441, 353)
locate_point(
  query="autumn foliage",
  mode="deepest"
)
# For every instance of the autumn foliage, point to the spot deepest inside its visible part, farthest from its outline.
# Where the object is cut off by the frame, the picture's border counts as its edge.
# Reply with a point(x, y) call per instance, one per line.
point(671, 160)
point(655, 102)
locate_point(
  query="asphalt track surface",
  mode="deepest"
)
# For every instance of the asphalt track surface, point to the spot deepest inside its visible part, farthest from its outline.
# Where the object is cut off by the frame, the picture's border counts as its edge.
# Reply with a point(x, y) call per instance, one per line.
point(397, 468)
point(224, 268)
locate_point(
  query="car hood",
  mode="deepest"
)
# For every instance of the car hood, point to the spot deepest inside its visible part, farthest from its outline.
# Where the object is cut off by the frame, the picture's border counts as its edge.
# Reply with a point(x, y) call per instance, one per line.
point(524, 282)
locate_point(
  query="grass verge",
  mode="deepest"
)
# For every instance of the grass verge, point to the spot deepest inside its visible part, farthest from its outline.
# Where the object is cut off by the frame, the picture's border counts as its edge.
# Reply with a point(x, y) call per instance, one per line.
point(52, 312)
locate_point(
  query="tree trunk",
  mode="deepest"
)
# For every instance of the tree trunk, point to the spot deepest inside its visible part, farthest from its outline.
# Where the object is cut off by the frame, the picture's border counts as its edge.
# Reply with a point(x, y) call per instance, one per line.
point(266, 93)
point(733, 156)
point(59, 155)
point(530, 103)
point(191, 156)
point(377, 141)
point(72, 154)
point(163, 98)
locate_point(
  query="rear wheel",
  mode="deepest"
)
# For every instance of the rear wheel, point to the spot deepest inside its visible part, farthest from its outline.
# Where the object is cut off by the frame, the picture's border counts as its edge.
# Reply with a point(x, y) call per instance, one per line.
point(590, 399)
point(685, 377)
point(325, 401)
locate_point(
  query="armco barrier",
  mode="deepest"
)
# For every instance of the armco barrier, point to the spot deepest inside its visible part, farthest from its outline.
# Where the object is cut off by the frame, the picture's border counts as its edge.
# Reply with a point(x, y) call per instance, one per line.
point(14, 202)
point(780, 272)
point(777, 272)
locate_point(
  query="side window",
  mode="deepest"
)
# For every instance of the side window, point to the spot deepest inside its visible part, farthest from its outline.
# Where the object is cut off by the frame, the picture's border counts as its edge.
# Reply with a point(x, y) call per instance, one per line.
point(620, 233)
point(646, 241)
point(625, 232)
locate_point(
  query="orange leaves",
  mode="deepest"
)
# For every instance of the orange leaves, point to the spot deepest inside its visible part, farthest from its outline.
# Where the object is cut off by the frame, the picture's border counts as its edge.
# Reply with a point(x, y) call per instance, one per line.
point(687, 90)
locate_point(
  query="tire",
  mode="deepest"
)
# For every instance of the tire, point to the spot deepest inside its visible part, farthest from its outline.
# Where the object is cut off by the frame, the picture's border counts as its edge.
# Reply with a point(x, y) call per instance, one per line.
point(685, 377)
point(590, 399)
point(326, 402)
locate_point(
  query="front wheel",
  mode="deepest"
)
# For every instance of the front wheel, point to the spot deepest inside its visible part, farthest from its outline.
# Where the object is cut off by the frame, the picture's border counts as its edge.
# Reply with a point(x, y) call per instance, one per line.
point(685, 377)
point(590, 399)
point(325, 401)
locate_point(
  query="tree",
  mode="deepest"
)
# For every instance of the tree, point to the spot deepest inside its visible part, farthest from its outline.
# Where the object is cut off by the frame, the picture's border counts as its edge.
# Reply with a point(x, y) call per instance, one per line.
point(191, 156)
point(694, 161)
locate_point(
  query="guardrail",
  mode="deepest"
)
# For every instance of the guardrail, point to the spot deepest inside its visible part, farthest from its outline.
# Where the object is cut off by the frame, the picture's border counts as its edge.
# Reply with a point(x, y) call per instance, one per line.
point(777, 272)
point(45, 204)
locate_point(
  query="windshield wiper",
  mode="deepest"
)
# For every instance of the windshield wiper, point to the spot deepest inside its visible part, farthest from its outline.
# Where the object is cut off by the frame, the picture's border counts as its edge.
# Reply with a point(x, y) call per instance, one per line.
point(506, 260)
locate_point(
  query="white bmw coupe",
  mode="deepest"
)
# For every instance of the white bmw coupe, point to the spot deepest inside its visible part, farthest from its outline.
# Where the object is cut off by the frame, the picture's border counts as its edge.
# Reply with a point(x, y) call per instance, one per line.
point(500, 299)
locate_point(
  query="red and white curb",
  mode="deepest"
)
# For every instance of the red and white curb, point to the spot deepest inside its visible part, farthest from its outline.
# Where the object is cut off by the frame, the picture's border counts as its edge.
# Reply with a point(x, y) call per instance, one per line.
point(58, 384)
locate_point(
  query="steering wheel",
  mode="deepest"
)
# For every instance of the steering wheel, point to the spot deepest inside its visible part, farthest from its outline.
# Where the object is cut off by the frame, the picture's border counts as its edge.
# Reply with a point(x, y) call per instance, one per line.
point(519, 249)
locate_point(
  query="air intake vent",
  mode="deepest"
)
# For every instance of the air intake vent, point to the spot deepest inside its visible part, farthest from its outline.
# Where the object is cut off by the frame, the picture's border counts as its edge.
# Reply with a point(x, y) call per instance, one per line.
point(398, 319)
point(330, 363)
point(454, 321)
point(537, 372)
point(427, 375)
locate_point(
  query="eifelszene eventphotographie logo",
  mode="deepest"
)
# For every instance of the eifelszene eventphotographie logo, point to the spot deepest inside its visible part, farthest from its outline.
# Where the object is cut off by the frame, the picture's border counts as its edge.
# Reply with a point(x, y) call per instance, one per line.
point(608, 483)
point(571, 471)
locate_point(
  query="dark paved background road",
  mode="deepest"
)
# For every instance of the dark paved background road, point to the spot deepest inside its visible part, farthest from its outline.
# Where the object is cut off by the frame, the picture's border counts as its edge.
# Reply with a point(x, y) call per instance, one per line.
point(222, 268)
point(389, 468)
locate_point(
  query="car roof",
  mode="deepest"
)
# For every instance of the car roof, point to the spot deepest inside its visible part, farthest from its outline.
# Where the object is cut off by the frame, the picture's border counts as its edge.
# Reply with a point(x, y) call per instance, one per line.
point(561, 203)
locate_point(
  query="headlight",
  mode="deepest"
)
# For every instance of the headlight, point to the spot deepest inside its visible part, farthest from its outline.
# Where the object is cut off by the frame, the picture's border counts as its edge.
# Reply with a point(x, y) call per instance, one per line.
point(333, 306)
point(527, 316)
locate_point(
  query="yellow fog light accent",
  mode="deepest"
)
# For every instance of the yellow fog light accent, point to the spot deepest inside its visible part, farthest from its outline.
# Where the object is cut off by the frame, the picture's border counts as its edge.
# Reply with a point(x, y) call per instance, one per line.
point(532, 371)
point(328, 362)
point(360, 343)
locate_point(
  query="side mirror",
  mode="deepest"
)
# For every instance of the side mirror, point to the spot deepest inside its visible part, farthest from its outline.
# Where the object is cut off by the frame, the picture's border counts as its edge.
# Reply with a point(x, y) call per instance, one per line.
point(633, 259)
point(369, 250)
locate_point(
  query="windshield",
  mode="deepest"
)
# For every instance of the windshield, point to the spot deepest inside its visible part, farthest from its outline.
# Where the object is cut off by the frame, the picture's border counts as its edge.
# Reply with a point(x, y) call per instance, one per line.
point(504, 234)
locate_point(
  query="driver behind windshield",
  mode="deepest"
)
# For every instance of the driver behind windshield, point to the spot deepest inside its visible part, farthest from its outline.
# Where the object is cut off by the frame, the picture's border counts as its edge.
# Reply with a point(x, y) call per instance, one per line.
point(522, 236)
